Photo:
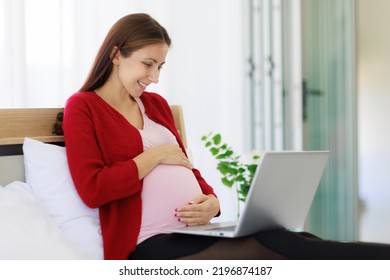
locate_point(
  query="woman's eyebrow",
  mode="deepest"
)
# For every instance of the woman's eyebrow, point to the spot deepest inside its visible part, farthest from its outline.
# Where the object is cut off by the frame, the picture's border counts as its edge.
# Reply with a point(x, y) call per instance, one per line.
point(152, 59)
point(155, 61)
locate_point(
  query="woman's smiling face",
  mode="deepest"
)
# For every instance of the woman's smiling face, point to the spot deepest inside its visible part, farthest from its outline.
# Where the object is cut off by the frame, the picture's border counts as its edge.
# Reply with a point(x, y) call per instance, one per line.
point(141, 68)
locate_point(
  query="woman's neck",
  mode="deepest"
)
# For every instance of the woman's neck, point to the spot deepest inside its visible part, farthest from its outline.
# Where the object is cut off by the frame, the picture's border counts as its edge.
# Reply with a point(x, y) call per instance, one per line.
point(115, 96)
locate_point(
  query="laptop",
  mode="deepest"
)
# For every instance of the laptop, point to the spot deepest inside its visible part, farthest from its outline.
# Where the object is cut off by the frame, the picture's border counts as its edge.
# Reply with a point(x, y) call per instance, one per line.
point(280, 196)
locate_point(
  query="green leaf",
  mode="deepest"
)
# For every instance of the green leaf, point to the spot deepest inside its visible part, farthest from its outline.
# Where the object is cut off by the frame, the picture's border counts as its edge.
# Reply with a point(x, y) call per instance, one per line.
point(233, 170)
point(217, 139)
point(255, 157)
point(224, 155)
point(229, 153)
point(226, 168)
point(228, 183)
point(244, 189)
point(240, 178)
point(221, 156)
point(204, 138)
point(214, 151)
point(208, 144)
point(241, 170)
point(223, 168)
point(252, 167)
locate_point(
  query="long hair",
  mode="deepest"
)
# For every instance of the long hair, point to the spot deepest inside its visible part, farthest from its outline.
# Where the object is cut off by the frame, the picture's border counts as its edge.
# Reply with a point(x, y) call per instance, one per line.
point(128, 34)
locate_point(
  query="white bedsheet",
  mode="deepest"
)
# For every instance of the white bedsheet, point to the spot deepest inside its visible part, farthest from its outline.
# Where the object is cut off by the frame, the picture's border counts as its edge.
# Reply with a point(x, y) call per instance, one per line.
point(26, 230)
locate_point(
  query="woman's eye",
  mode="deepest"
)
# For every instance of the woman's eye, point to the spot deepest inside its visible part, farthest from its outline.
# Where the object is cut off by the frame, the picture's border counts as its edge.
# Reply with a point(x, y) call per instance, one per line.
point(148, 65)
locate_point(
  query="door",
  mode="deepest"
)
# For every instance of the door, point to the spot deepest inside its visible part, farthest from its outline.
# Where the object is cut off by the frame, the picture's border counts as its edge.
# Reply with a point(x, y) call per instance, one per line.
point(329, 113)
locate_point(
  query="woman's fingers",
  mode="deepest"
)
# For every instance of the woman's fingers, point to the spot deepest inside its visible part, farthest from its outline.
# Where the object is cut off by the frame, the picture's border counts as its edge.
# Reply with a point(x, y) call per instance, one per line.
point(199, 211)
point(173, 154)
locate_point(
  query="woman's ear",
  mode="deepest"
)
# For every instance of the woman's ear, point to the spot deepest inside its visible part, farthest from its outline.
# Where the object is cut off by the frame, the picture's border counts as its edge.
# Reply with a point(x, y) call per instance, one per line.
point(115, 54)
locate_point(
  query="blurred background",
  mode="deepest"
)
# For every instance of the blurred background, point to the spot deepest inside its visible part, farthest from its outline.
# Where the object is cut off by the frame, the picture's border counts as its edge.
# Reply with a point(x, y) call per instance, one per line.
point(266, 74)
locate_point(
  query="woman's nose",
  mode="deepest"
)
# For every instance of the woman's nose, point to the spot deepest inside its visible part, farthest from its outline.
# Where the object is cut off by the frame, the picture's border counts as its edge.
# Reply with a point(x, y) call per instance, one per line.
point(154, 76)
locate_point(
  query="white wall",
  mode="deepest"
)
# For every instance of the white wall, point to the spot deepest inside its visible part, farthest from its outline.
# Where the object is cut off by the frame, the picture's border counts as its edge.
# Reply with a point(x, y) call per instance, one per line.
point(373, 62)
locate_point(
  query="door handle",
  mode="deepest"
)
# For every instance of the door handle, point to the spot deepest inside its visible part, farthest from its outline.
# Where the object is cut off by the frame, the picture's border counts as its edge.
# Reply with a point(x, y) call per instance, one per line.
point(305, 93)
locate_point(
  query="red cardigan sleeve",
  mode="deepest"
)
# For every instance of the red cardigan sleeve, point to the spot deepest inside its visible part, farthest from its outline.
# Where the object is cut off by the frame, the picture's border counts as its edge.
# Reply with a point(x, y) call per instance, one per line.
point(96, 182)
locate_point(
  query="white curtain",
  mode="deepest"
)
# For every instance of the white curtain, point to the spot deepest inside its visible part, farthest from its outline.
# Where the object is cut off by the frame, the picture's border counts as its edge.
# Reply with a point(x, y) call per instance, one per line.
point(12, 55)
point(48, 46)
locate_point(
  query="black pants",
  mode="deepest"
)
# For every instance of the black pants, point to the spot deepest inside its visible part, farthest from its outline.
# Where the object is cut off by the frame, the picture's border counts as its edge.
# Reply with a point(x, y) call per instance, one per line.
point(273, 244)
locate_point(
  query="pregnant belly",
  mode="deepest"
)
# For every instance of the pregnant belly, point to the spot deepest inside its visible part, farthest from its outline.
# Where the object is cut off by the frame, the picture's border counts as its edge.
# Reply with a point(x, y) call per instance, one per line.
point(164, 189)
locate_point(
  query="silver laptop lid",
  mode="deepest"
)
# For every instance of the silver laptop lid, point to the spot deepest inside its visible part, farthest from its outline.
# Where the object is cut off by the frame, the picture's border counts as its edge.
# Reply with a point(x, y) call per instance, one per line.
point(283, 189)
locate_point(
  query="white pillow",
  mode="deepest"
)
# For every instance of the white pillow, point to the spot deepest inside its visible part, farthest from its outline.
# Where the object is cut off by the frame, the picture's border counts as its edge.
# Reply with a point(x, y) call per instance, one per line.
point(26, 230)
point(47, 173)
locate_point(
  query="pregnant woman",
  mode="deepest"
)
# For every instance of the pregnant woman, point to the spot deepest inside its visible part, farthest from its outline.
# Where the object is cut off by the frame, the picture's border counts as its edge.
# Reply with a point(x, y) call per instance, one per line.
point(127, 159)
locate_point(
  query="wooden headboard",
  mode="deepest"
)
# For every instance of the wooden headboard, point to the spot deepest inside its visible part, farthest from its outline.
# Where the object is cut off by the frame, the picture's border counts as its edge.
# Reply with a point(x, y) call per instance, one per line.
point(37, 123)
point(16, 124)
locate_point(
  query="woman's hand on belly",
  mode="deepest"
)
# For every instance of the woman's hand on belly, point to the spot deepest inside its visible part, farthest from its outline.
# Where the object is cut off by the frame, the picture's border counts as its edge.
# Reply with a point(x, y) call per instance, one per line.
point(173, 154)
point(199, 211)
point(170, 154)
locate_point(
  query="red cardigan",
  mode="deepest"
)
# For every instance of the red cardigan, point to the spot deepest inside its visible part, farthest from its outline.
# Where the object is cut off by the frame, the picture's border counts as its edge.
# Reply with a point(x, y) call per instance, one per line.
point(101, 145)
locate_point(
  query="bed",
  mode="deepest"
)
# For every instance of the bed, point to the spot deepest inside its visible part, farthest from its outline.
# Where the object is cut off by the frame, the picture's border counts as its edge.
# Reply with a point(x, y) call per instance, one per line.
point(41, 215)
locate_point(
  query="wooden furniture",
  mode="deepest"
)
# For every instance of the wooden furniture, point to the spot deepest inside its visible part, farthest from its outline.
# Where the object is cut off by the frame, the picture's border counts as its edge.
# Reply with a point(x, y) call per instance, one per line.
point(37, 123)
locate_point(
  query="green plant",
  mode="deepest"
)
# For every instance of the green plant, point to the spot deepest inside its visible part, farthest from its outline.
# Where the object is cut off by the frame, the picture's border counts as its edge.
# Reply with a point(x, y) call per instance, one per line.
point(234, 171)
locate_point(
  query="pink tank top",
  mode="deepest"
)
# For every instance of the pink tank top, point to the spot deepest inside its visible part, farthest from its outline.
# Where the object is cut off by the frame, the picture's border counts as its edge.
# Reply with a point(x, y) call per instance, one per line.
point(166, 187)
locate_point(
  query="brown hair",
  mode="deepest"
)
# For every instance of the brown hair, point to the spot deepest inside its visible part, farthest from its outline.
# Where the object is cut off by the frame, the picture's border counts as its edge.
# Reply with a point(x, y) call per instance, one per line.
point(128, 34)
